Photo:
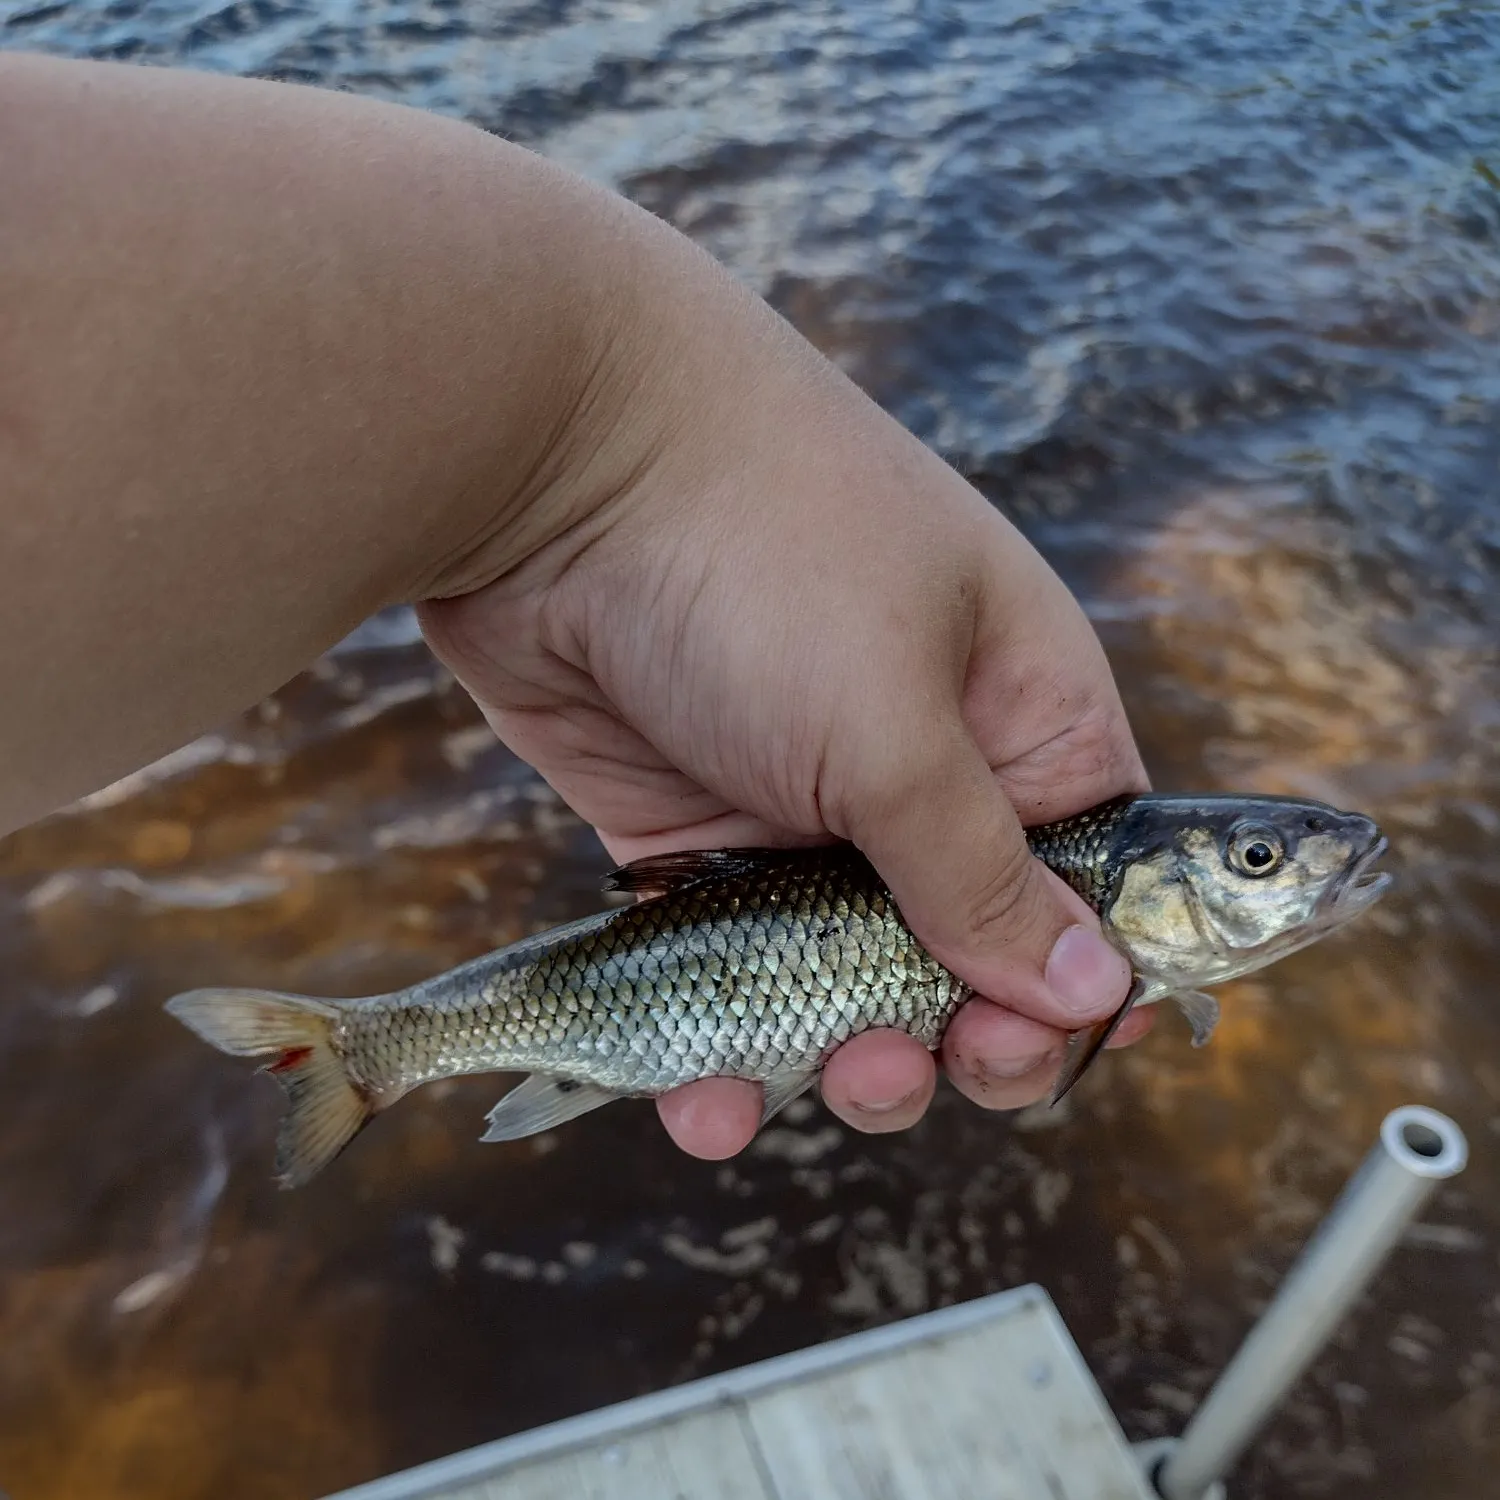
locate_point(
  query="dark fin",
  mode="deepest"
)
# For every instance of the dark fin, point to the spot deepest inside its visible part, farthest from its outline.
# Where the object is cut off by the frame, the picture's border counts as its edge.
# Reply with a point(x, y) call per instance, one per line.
point(660, 874)
point(1202, 1012)
point(540, 1102)
point(781, 1089)
point(1084, 1046)
point(325, 1109)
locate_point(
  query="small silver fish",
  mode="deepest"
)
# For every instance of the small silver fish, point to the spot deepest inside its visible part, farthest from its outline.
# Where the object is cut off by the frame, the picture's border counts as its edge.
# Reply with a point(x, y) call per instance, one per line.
point(757, 963)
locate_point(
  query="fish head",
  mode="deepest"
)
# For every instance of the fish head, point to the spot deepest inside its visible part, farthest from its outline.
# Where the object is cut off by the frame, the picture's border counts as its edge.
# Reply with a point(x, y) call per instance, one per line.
point(1214, 887)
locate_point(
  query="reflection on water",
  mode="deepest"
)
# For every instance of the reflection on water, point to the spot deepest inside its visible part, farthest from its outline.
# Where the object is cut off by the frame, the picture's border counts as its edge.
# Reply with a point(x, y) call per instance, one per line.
point(1211, 306)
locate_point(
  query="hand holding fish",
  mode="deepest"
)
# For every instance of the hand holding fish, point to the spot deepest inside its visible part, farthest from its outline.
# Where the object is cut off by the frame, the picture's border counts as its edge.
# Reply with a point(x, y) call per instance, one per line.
point(803, 625)
point(291, 356)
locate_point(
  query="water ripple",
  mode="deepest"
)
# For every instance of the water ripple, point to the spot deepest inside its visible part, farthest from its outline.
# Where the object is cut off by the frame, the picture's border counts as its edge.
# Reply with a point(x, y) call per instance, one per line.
point(1208, 299)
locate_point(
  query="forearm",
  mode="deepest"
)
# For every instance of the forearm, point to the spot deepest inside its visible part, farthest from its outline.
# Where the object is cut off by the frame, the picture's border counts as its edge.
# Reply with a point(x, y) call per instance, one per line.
point(270, 358)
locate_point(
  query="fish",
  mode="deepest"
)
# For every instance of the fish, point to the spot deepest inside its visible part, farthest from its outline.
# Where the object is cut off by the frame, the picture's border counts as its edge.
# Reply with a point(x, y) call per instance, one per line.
point(757, 963)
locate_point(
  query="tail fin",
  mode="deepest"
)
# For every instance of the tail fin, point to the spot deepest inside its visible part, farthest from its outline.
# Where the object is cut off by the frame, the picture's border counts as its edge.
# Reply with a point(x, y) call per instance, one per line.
point(326, 1109)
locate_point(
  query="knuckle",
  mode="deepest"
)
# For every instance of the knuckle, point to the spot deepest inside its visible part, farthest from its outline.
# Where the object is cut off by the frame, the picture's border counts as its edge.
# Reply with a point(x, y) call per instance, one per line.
point(880, 786)
point(1094, 756)
point(1001, 902)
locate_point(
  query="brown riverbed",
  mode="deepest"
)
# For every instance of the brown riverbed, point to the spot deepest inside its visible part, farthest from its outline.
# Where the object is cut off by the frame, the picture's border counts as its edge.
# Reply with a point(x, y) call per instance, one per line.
point(1214, 314)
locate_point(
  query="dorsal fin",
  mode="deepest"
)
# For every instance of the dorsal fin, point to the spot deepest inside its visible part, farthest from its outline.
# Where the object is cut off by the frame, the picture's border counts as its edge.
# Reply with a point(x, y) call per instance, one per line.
point(660, 874)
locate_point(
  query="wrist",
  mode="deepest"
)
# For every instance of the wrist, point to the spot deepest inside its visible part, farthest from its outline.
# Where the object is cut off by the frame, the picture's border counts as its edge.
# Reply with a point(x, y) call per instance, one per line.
point(672, 365)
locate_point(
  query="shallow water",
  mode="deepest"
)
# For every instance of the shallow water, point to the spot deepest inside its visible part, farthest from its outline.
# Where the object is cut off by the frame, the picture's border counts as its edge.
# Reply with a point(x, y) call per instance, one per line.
point(1209, 299)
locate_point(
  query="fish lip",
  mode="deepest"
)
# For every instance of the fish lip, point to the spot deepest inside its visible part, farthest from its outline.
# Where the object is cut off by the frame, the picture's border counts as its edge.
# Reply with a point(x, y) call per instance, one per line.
point(1362, 886)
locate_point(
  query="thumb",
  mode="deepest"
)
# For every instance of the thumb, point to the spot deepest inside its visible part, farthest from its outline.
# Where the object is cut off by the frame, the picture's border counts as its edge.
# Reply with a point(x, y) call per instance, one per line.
point(931, 817)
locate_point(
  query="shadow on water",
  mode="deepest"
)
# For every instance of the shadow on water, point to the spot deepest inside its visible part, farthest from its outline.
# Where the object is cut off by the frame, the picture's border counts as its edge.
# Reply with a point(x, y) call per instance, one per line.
point(1209, 304)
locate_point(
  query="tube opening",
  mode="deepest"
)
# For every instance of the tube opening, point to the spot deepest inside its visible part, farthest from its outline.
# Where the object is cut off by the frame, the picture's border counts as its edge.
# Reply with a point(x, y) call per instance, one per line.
point(1424, 1142)
point(1422, 1139)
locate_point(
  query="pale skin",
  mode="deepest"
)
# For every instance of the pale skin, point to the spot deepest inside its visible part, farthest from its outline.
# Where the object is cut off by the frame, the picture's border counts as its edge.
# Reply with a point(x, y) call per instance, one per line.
point(272, 358)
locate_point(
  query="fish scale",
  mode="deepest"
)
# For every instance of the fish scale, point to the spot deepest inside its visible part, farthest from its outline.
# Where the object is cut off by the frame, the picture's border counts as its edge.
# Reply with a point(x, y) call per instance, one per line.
point(1084, 850)
point(786, 949)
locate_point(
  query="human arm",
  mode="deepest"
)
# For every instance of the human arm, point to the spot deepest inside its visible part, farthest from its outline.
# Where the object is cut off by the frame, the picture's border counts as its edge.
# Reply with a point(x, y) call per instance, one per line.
point(271, 358)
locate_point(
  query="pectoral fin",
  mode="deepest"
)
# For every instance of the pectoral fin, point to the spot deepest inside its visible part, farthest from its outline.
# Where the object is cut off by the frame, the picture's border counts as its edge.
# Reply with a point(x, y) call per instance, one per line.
point(780, 1090)
point(1202, 1012)
point(539, 1103)
point(1084, 1046)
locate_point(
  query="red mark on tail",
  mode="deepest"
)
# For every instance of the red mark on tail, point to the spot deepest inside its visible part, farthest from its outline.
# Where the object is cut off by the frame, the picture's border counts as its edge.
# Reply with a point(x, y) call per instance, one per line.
point(293, 1057)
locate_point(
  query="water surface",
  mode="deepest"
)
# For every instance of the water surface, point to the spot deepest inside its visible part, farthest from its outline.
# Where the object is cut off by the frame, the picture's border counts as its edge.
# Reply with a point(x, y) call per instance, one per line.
point(1209, 300)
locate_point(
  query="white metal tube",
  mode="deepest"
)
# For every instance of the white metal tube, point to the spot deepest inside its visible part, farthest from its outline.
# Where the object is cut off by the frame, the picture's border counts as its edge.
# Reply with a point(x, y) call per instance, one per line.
point(1417, 1149)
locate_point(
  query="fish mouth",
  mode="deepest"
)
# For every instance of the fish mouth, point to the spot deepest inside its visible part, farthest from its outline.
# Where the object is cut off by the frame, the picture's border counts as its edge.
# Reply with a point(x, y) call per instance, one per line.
point(1362, 886)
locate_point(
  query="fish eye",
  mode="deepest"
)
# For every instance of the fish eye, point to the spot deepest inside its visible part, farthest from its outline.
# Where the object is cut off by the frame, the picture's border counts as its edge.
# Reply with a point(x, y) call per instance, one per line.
point(1255, 851)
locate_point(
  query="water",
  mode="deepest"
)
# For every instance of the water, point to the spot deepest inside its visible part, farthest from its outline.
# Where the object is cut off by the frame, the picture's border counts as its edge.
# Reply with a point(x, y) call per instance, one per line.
point(1208, 299)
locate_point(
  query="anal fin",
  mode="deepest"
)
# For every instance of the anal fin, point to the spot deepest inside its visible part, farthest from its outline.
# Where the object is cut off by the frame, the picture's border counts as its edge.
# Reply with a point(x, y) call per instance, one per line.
point(540, 1102)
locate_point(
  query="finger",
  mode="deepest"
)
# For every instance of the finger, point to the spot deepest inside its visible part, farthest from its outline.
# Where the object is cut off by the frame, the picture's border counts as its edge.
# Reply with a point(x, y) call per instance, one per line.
point(1133, 1027)
point(712, 1118)
point(1045, 711)
point(880, 1081)
point(999, 1059)
point(928, 812)
point(1004, 1061)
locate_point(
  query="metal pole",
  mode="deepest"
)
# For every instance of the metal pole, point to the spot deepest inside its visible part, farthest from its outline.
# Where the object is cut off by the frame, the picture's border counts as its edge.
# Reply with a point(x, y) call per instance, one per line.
point(1417, 1149)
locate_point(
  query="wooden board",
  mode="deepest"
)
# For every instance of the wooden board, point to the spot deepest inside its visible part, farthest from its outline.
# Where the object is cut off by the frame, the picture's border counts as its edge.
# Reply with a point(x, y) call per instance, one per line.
point(946, 1419)
point(706, 1454)
point(987, 1399)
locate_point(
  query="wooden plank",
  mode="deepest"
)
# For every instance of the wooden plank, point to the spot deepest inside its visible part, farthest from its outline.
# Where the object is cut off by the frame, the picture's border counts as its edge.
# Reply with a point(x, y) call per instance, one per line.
point(903, 1428)
point(1075, 1442)
point(701, 1457)
point(990, 1398)
point(1004, 1411)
